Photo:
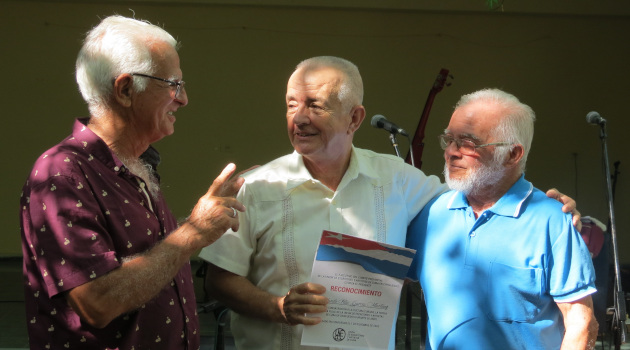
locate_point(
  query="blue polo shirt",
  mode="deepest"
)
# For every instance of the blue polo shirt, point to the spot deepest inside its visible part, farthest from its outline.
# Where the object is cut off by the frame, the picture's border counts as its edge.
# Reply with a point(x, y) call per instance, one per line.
point(493, 282)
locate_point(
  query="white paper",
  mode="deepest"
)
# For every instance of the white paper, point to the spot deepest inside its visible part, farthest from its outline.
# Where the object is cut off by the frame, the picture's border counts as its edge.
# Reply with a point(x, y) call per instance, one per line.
point(362, 304)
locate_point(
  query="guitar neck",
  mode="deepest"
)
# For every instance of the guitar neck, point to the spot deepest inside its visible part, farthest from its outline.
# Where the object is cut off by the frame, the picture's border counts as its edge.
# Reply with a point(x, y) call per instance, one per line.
point(417, 143)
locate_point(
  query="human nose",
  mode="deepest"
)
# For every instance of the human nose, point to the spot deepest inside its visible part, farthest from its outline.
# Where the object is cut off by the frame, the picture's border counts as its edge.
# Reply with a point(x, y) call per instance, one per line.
point(452, 149)
point(300, 116)
point(182, 97)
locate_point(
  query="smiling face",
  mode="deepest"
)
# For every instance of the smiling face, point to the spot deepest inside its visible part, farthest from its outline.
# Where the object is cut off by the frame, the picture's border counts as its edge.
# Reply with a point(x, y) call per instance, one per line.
point(154, 108)
point(319, 126)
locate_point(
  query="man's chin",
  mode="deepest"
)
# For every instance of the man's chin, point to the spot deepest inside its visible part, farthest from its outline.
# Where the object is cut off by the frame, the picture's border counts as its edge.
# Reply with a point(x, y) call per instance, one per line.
point(459, 185)
point(302, 148)
point(455, 175)
point(458, 181)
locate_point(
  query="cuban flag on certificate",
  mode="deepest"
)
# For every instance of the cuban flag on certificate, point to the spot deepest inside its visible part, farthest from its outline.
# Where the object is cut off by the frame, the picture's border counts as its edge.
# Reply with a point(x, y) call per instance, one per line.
point(375, 257)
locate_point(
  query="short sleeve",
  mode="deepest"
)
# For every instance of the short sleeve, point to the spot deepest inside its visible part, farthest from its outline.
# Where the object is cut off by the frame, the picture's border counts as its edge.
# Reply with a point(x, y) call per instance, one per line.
point(69, 242)
point(572, 275)
point(233, 251)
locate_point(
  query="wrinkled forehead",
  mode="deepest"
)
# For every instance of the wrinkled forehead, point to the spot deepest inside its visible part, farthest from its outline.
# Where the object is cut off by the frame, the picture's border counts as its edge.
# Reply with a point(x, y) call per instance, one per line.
point(477, 120)
point(314, 82)
point(165, 59)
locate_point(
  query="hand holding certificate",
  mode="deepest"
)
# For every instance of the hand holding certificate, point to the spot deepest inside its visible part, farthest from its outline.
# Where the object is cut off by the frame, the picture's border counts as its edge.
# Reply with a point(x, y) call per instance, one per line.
point(363, 280)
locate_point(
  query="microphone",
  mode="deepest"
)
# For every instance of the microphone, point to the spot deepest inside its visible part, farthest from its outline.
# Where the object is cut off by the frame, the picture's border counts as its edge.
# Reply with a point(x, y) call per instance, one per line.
point(594, 118)
point(380, 122)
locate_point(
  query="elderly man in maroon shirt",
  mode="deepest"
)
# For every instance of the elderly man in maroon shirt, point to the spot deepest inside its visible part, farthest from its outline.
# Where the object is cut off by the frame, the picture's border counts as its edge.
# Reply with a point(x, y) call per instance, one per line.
point(106, 265)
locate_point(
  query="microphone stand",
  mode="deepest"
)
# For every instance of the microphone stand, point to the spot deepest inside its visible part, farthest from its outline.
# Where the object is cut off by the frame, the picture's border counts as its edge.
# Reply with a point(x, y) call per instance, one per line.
point(392, 138)
point(409, 295)
point(619, 318)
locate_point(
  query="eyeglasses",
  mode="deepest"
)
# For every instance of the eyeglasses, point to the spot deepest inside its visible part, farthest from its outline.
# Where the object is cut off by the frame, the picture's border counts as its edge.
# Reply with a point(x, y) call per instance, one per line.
point(179, 84)
point(465, 146)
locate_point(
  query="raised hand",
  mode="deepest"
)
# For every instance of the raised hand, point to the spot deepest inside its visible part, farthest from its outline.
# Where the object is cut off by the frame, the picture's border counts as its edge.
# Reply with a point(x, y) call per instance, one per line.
point(217, 210)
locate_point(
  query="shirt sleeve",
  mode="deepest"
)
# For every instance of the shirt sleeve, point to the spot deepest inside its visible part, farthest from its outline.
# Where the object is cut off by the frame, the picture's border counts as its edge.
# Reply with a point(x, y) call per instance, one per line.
point(420, 189)
point(70, 244)
point(572, 276)
point(233, 251)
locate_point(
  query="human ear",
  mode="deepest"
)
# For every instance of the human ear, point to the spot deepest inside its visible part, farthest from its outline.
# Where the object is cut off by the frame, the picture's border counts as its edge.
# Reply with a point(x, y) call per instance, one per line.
point(122, 89)
point(516, 154)
point(357, 115)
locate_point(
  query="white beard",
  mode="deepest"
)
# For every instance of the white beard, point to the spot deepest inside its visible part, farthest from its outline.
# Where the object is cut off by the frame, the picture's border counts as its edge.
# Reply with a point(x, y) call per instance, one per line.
point(145, 172)
point(479, 178)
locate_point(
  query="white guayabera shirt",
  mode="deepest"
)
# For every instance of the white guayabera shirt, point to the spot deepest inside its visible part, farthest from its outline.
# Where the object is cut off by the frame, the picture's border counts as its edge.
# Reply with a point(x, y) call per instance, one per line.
point(287, 210)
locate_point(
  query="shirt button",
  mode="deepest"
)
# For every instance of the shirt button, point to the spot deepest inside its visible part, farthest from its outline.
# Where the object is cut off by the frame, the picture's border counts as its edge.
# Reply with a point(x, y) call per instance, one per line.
point(116, 168)
point(473, 234)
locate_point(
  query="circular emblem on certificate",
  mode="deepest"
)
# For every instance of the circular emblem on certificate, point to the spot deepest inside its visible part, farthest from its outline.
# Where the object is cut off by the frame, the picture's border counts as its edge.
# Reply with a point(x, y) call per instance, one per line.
point(339, 334)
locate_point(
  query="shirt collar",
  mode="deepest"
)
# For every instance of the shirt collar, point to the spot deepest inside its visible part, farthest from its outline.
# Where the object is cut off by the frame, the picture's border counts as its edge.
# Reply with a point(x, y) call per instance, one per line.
point(95, 147)
point(361, 167)
point(511, 204)
point(298, 174)
point(152, 157)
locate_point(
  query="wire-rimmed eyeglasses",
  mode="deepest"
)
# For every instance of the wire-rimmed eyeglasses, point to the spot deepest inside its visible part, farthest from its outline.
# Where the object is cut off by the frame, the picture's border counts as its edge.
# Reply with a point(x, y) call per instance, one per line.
point(465, 146)
point(179, 84)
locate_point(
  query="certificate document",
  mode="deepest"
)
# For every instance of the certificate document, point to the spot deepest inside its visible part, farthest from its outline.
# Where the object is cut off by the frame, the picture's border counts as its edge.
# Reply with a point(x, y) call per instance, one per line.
point(363, 280)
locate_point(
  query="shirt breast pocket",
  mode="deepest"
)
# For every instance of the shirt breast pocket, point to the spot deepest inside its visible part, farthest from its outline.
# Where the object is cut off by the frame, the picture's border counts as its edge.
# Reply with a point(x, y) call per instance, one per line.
point(514, 293)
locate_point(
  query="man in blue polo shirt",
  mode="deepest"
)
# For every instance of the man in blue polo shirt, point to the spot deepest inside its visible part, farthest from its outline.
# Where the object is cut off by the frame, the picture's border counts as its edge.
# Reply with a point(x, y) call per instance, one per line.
point(500, 265)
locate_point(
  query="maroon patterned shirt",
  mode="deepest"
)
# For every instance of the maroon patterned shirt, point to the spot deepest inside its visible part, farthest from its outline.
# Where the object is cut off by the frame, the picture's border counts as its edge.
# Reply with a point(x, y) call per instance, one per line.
point(82, 211)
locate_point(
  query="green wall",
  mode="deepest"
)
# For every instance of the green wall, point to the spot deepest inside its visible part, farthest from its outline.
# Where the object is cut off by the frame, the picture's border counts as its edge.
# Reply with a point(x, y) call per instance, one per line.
point(236, 60)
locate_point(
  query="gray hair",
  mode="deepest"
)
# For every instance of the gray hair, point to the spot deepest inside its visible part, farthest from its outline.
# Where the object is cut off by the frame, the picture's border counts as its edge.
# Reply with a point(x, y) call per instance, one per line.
point(350, 91)
point(516, 126)
point(115, 46)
